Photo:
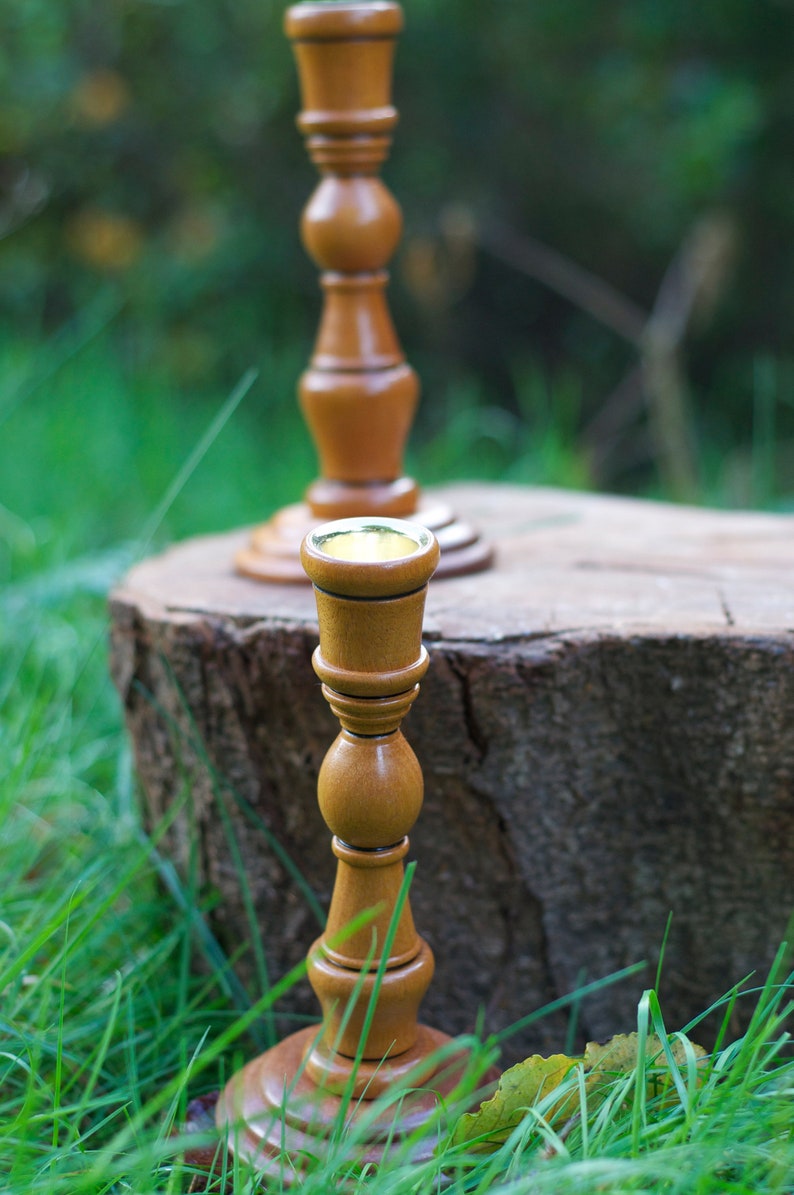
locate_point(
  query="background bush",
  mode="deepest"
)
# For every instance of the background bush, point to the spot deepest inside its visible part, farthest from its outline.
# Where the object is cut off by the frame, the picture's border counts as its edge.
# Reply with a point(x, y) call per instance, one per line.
point(149, 153)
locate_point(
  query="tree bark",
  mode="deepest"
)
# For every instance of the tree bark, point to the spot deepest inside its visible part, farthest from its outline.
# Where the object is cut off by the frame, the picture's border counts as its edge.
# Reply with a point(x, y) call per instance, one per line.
point(607, 737)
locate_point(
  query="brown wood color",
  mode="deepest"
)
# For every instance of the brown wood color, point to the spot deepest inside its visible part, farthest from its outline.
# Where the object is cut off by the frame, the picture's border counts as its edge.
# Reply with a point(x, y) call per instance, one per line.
point(359, 394)
point(370, 579)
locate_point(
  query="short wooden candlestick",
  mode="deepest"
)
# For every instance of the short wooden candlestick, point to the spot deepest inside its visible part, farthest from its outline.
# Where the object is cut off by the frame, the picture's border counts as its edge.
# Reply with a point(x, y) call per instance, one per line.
point(359, 394)
point(370, 578)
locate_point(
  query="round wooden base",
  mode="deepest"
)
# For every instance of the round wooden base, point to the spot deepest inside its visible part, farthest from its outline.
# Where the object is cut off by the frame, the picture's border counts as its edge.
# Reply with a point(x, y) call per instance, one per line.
point(273, 553)
point(277, 1118)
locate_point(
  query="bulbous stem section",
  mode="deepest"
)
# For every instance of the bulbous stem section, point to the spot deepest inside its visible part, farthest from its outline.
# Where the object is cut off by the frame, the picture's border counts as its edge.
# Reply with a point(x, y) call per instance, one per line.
point(358, 395)
point(370, 578)
point(370, 789)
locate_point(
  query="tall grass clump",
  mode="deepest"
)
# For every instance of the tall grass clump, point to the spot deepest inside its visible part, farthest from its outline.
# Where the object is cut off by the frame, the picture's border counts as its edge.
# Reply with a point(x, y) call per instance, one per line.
point(97, 1009)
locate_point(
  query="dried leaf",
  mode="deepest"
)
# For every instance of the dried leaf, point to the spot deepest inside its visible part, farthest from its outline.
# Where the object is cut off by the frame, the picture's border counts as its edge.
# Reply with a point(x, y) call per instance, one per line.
point(519, 1088)
point(531, 1080)
point(619, 1056)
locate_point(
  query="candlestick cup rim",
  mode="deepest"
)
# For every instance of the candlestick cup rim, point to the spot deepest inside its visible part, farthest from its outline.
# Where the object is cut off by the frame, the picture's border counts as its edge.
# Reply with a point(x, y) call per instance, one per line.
point(340, 19)
point(370, 556)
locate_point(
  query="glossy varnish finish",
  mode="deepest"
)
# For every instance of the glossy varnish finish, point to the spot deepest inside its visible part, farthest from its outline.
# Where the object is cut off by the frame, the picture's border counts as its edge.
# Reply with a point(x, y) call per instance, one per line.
point(370, 579)
point(359, 394)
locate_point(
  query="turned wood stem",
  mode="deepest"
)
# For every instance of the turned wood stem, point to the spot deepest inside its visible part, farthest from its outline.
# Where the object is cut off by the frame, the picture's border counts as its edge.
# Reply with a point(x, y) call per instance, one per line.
point(358, 395)
point(370, 580)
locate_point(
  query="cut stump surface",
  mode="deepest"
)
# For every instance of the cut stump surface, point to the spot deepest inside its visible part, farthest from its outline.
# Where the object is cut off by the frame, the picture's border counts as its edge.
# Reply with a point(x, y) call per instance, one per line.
point(606, 732)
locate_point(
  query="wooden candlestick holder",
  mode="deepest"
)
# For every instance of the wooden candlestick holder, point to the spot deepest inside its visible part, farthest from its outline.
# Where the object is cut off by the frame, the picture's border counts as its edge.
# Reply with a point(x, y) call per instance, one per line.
point(370, 578)
point(359, 394)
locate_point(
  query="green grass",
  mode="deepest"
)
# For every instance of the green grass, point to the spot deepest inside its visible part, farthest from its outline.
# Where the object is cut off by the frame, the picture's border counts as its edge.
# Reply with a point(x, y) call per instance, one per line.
point(117, 1005)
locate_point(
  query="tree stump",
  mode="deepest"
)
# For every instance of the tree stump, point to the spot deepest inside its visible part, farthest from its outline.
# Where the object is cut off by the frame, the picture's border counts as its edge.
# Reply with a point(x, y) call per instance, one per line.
point(606, 732)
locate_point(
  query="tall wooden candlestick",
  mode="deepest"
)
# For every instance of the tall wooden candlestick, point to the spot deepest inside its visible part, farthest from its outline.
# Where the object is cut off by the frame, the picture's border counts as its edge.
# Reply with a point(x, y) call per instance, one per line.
point(370, 578)
point(359, 394)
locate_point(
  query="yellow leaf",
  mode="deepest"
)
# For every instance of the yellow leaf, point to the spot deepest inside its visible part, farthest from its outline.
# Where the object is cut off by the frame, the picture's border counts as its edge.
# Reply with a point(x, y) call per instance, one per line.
point(519, 1088)
point(619, 1056)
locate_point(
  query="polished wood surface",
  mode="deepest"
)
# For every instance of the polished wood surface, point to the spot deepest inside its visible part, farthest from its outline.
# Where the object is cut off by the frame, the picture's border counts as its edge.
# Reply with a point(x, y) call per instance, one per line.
point(370, 660)
point(370, 581)
point(359, 394)
point(280, 1137)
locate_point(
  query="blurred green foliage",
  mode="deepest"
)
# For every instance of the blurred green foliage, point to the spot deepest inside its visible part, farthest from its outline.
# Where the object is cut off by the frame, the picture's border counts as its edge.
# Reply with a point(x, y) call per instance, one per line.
point(149, 147)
